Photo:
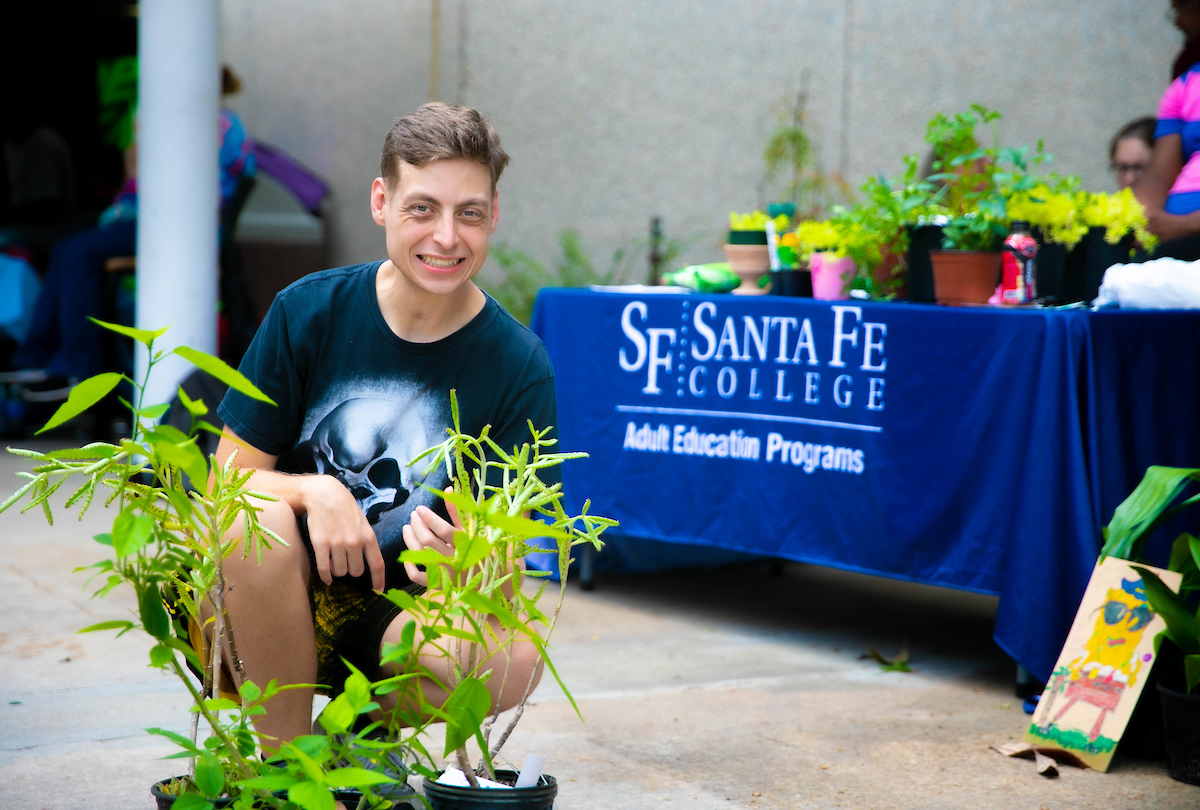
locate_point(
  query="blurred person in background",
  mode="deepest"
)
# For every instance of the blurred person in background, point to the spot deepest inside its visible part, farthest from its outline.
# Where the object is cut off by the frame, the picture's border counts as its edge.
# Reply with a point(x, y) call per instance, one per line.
point(1185, 15)
point(1169, 187)
point(61, 346)
point(1130, 149)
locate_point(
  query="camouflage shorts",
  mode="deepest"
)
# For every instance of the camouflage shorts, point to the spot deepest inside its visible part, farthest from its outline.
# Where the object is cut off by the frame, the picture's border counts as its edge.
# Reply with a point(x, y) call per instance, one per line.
point(349, 621)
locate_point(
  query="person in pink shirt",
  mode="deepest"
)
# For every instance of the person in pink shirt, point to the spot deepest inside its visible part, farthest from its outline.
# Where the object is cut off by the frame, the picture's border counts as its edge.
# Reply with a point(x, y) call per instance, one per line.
point(1169, 188)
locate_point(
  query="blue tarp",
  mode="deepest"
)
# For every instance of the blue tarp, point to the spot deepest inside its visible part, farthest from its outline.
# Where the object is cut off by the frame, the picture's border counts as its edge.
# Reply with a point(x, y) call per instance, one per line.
point(976, 448)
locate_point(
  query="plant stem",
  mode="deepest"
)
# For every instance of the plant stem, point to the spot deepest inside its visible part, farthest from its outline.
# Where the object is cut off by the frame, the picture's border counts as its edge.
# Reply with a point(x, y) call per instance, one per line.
point(520, 708)
point(214, 657)
point(464, 765)
point(214, 723)
point(231, 649)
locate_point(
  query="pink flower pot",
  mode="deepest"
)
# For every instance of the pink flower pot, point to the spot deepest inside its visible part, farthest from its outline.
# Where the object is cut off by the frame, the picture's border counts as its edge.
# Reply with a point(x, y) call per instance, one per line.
point(831, 277)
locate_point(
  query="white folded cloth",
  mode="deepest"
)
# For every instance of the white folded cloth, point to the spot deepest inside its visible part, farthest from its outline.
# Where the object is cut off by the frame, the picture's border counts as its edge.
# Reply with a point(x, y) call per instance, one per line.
point(1156, 284)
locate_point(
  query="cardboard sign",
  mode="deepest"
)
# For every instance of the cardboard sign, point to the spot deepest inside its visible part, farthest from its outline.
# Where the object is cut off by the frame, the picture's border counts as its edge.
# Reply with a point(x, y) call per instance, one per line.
point(1103, 666)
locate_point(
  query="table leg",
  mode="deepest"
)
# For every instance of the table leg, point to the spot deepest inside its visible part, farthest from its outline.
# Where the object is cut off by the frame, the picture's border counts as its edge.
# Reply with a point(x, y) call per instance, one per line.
point(587, 564)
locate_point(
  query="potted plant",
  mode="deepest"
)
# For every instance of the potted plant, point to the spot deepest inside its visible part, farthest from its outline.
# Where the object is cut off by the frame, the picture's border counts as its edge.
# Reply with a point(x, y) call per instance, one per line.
point(823, 246)
point(1116, 224)
point(1163, 493)
point(1095, 230)
point(793, 278)
point(873, 234)
point(879, 225)
point(967, 268)
point(747, 252)
point(476, 610)
point(789, 155)
point(170, 535)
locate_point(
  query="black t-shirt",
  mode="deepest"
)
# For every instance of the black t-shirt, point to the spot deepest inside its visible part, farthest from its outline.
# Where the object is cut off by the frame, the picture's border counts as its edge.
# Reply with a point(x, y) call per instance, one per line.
point(357, 402)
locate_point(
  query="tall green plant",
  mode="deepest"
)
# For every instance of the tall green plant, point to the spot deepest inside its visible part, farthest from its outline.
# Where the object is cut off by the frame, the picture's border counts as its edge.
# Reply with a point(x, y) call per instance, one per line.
point(475, 609)
point(175, 512)
point(1161, 494)
point(790, 155)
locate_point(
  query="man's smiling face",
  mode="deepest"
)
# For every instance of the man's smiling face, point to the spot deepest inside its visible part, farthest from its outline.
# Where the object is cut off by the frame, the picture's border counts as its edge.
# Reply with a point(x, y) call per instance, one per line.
point(438, 219)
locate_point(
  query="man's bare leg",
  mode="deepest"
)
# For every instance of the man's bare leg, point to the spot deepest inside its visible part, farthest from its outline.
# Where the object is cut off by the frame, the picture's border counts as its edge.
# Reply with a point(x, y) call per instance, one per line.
point(273, 624)
point(511, 668)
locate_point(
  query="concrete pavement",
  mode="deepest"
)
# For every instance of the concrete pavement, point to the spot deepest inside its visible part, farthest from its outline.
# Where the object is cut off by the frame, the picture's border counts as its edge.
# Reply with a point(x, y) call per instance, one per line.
point(731, 689)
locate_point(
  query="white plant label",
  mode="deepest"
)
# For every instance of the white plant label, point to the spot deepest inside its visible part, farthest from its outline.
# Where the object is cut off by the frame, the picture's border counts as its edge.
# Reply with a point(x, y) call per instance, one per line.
point(456, 778)
point(531, 771)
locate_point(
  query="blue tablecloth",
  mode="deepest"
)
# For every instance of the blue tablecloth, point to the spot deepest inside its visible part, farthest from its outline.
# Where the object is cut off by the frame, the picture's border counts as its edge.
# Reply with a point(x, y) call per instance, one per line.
point(977, 448)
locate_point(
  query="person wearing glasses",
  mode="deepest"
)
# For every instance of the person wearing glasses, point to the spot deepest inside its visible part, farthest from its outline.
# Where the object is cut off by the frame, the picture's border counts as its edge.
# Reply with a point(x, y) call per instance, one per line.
point(1130, 149)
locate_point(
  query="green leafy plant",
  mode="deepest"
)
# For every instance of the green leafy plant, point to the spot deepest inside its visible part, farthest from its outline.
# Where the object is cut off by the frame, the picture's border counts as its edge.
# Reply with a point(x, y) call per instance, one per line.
point(976, 181)
point(886, 664)
point(116, 88)
point(756, 221)
point(1162, 493)
point(174, 513)
point(521, 278)
point(790, 156)
point(175, 525)
point(476, 610)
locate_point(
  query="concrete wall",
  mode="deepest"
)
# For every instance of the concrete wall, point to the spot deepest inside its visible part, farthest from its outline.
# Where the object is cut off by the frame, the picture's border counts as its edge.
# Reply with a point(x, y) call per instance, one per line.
point(614, 112)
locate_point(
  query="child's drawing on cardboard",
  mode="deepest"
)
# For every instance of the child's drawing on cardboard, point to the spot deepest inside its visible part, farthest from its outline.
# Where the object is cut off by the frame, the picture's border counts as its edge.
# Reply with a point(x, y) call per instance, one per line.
point(1102, 667)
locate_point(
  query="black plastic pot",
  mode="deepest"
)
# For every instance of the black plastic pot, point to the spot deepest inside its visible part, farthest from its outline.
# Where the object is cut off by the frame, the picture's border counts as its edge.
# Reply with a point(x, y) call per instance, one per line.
point(792, 283)
point(399, 795)
point(747, 237)
point(165, 802)
point(1051, 269)
point(922, 239)
point(1086, 262)
point(449, 797)
point(1181, 734)
point(402, 796)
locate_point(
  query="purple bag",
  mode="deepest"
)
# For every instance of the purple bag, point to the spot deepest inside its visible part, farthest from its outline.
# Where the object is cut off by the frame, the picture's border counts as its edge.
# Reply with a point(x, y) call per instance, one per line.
point(307, 187)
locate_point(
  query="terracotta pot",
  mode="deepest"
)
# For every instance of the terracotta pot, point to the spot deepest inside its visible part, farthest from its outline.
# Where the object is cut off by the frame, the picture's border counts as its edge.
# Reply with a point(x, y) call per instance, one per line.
point(750, 262)
point(882, 278)
point(964, 276)
point(831, 277)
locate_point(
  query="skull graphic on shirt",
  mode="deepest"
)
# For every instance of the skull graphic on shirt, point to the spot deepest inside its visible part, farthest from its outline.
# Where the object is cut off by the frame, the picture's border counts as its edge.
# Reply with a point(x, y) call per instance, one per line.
point(367, 444)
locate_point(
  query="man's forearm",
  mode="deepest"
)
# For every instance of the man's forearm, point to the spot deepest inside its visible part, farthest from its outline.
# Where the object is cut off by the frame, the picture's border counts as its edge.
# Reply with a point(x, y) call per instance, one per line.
point(297, 491)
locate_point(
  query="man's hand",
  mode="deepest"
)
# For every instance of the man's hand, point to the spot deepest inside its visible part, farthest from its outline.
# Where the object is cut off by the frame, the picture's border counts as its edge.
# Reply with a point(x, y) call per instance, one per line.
point(342, 539)
point(426, 529)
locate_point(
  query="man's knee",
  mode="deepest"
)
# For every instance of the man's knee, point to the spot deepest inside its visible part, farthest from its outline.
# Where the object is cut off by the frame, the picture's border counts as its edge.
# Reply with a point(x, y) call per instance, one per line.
point(278, 518)
point(524, 670)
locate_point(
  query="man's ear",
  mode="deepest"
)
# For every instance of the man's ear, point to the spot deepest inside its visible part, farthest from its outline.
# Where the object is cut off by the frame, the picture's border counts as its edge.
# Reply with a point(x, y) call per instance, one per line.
point(495, 210)
point(379, 198)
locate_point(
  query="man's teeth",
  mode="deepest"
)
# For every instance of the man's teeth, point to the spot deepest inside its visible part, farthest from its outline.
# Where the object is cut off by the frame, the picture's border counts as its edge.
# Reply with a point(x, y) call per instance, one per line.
point(432, 262)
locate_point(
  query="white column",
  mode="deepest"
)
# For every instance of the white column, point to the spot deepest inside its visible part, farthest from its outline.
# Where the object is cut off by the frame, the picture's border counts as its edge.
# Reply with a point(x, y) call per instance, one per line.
point(178, 199)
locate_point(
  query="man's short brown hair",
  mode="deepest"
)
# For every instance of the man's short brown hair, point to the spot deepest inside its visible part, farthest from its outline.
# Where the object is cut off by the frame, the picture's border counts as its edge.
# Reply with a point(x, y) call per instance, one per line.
point(438, 131)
